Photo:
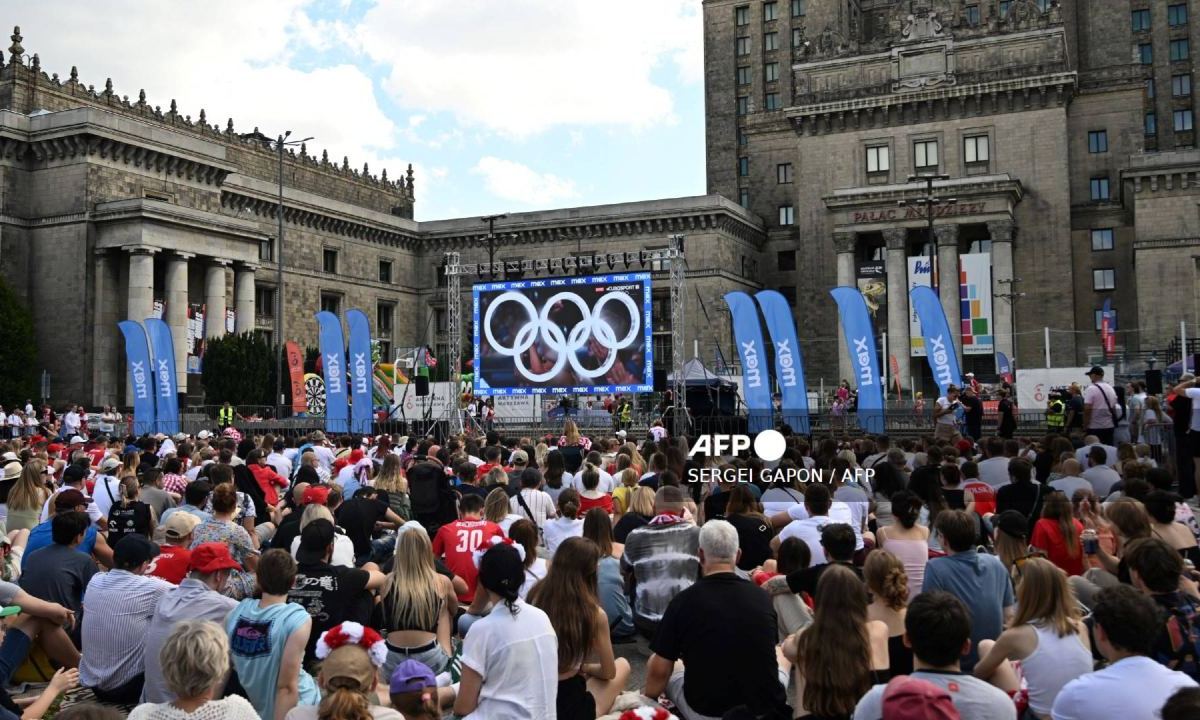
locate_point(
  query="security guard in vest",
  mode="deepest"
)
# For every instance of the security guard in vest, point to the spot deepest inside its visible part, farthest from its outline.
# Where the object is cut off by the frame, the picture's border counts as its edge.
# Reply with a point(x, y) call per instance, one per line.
point(225, 415)
point(1056, 414)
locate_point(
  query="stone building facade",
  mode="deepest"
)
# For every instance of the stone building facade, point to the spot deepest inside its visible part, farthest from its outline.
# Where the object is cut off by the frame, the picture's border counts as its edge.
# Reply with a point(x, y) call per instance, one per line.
point(1065, 130)
point(112, 208)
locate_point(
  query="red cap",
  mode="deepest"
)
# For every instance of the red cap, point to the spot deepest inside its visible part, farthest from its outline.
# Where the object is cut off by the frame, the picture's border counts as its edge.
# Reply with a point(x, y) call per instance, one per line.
point(965, 445)
point(355, 455)
point(910, 698)
point(55, 448)
point(315, 495)
point(211, 557)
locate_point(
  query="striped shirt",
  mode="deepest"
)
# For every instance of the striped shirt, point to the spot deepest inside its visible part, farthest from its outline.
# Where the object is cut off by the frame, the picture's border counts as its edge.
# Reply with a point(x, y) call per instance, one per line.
point(540, 504)
point(117, 609)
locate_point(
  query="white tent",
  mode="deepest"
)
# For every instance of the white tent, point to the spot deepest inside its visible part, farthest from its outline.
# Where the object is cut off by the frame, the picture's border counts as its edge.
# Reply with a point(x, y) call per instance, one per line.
point(694, 373)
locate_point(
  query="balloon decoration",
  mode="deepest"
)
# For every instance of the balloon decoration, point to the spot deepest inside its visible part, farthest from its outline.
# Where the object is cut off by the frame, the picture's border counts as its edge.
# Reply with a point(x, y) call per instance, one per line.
point(465, 388)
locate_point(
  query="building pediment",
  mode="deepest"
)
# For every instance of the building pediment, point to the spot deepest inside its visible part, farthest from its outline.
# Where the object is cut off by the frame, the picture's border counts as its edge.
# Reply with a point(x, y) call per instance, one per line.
point(875, 207)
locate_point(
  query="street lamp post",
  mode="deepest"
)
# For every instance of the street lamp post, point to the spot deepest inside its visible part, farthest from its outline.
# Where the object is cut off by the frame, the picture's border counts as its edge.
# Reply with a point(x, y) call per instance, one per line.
point(281, 144)
point(929, 200)
point(491, 241)
point(1011, 298)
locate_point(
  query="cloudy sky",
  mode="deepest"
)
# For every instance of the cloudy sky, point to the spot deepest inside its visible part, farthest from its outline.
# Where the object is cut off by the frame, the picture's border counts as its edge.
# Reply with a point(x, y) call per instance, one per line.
point(500, 105)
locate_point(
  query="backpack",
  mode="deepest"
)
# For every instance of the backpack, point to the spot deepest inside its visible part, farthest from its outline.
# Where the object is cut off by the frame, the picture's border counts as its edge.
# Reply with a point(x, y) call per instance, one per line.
point(425, 490)
point(127, 520)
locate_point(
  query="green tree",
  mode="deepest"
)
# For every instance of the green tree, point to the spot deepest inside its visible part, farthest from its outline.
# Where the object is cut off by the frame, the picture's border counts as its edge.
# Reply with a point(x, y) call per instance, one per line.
point(18, 349)
point(241, 369)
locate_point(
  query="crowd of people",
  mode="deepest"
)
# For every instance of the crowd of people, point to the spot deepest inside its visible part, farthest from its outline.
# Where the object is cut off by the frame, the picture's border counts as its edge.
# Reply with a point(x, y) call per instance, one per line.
point(294, 577)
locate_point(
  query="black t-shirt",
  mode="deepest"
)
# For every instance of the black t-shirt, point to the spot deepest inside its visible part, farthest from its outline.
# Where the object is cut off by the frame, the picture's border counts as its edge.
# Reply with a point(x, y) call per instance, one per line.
point(806, 580)
point(331, 594)
point(628, 523)
point(650, 481)
point(1025, 498)
point(973, 410)
point(956, 498)
point(714, 506)
point(723, 629)
point(357, 516)
point(754, 538)
point(1181, 406)
point(466, 490)
point(288, 530)
point(1075, 411)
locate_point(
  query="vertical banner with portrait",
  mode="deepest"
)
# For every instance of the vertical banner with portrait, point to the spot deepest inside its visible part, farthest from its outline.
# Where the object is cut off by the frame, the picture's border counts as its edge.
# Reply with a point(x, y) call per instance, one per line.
point(920, 270)
point(872, 283)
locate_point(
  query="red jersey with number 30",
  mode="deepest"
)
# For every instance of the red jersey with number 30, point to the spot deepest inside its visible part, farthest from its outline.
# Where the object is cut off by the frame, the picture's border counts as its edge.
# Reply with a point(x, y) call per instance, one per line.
point(457, 543)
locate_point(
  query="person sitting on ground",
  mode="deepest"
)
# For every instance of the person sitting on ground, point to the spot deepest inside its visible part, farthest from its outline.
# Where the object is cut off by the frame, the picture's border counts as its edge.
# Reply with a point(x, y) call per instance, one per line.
point(93, 544)
point(510, 657)
point(198, 597)
point(129, 515)
point(837, 544)
point(1126, 627)
point(884, 575)
point(413, 691)
point(640, 512)
point(496, 508)
point(360, 515)
point(590, 496)
point(195, 497)
point(221, 528)
point(531, 502)
point(907, 539)
point(589, 675)
point(174, 553)
point(1157, 571)
point(525, 534)
point(1071, 481)
point(62, 573)
point(1022, 494)
point(415, 611)
point(1099, 472)
point(1057, 534)
point(937, 627)
point(569, 522)
point(456, 542)
point(43, 623)
point(723, 629)
point(194, 662)
point(662, 559)
point(350, 657)
point(1161, 506)
point(1046, 636)
point(979, 580)
point(267, 637)
point(125, 598)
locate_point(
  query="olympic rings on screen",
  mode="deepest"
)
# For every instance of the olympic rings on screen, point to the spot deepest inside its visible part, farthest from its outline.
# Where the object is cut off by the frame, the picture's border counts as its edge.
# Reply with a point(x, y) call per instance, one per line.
point(590, 325)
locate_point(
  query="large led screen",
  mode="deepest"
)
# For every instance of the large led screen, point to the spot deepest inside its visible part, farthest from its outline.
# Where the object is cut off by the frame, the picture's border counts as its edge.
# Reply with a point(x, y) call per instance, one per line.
point(575, 335)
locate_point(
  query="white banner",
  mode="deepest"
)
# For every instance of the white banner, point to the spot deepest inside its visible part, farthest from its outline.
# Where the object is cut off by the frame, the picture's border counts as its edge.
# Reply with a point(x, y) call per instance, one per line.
point(1034, 386)
point(919, 274)
point(443, 397)
point(975, 307)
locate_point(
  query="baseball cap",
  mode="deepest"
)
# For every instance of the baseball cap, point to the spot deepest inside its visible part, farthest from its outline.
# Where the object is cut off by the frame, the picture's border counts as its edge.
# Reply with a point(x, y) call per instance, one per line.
point(316, 537)
point(69, 499)
point(621, 434)
point(179, 525)
point(133, 550)
point(55, 448)
point(411, 676)
point(1096, 370)
point(77, 440)
point(204, 434)
point(316, 495)
point(910, 698)
point(520, 457)
point(74, 474)
point(1013, 524)
point(211, 557)
point(964, 445)
point(110, 463)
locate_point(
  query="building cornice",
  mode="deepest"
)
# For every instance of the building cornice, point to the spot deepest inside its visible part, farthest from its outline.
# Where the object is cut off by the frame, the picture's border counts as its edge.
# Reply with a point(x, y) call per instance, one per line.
point(1163, 171)
point(145, 209)
point(979, 186)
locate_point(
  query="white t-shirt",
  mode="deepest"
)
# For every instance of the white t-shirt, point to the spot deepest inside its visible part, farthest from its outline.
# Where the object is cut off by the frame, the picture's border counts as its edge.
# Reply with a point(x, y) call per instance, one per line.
point(808, 530)
point(102, 497)
point(70, 422)
point(533, 573)
point(1194, 395)
point(343, 550)
point(92, 511)
point(517, 658)
point(1131, 689)
point(606, 484)
point(324, 455)
point(947, 419)
point(559, 529)
point(1102, 478)
point(282, 465)
point(1110, 454)
point(852, 514)
point(1100, 396)
point(994, 472)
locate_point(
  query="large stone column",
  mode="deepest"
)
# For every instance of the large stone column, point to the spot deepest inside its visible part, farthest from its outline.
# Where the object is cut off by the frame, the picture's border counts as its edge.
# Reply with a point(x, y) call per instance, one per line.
point(844, 243)
point(948, 281)
point(139, 291)
point(243, 297)
point(1003, 318)
point(107, 365)
point(214, 299)
point(897, 302)
point(176, 312)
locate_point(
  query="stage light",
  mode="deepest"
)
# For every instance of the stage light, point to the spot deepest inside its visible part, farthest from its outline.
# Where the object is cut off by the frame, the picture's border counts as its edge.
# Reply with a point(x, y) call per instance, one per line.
point(630, 258)
point(611, 259)
point(643, 256)
point(569, 263)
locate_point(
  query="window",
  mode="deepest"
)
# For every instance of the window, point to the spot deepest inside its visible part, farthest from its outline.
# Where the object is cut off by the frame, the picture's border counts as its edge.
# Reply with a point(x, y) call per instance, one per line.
point(264, 302)
point(330, 261)
point(770, 41)
point(1177, 15)
point(925, 154)
point(799, 8)
point(744, 166)
point(741, 15)
point(1181, 85)
point(743, 46)
point(1112, 319)
point(1183, 120)
point(972, 15)
point(743, 138)
point(744, 198)
point(1145, 53)
point(331, 303)
point(786, 259)
point(1180, 50)
point(797, 37)
point(771, 71)
point(1105, 279)
point(743, 105)
point(789, 293)
point(783, 173)
point(975, 149)
point(1149, 87)
point(1098, 141)
point(439, 272)
point(1004, 6)
point(385, 271)
point(385, 321)
point(770, 11)
point(1151, 123)
point(1043, 6)
point(1100, 188)
point(1102, 239)
point(772, 101)
point(787, 215)
point(266, 250)
point(1141, 20)
point(743, 75)
point(877, 159)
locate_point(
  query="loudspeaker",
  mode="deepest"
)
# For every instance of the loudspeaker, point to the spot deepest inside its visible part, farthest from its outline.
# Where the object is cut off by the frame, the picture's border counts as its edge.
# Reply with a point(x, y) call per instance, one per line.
point(421, 385)
point(1154, 382)
point(660, 378)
